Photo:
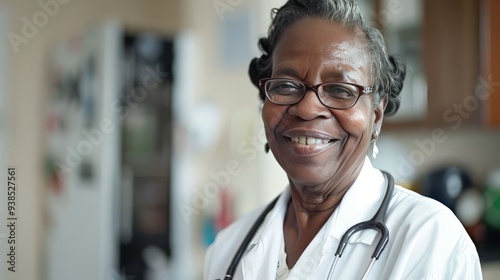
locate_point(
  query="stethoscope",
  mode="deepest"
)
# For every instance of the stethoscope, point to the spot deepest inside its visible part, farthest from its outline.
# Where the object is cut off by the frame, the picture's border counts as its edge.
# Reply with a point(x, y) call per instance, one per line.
point(376, 223)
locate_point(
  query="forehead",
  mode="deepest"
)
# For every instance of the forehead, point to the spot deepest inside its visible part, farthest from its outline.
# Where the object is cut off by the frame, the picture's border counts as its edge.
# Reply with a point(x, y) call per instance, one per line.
point(318, 44)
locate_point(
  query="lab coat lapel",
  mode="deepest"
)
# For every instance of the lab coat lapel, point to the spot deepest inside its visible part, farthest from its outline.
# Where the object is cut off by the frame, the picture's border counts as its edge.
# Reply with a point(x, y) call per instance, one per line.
point(261, 259)
point(360, 204)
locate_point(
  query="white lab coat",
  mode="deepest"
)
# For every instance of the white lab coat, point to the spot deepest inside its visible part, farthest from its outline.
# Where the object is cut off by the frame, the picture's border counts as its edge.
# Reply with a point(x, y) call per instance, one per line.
point(426, 240)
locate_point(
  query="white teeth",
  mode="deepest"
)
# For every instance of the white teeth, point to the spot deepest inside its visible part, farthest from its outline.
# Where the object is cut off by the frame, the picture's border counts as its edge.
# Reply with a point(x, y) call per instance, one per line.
point(308, 140)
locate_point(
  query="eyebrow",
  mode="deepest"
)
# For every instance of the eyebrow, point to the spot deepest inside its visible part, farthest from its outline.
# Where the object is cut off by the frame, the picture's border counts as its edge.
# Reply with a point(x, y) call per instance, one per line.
point(334, 75)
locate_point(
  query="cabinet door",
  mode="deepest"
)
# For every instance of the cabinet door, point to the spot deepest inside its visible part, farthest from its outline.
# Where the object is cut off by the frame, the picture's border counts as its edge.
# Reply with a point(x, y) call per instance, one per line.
point(451, 61)
point(402, 26)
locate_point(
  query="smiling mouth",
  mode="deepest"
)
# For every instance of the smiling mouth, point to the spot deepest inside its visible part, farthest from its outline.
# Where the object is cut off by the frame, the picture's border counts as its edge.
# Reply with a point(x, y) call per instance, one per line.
point(309, 140)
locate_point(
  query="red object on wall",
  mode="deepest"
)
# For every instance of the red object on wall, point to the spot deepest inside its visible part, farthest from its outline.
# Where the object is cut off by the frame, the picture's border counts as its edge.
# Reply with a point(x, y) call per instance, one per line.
point(225, 214)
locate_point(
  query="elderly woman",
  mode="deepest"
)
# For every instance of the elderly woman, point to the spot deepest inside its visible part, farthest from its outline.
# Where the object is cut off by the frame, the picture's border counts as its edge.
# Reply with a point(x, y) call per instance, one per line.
point(327, 82)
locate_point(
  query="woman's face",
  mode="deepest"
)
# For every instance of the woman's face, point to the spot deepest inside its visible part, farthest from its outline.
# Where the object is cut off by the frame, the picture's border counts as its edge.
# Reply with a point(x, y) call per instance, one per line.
point(317, 51)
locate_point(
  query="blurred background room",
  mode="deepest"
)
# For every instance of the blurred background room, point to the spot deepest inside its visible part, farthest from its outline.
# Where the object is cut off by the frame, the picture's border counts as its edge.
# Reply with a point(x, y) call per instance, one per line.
point(136, 133)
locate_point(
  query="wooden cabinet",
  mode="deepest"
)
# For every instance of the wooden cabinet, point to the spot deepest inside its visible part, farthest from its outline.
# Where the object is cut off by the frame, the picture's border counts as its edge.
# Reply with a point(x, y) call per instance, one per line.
point(460, 53)
point(490, 60)
point(451, 61)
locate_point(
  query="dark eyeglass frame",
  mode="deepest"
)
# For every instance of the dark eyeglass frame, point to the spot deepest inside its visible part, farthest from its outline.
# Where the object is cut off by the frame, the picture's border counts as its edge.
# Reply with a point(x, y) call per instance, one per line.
point(361, 90)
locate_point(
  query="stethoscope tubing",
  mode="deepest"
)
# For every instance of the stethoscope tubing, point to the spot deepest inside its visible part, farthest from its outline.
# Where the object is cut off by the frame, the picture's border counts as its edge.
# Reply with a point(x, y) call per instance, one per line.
point(248, 238)
point(377, 223)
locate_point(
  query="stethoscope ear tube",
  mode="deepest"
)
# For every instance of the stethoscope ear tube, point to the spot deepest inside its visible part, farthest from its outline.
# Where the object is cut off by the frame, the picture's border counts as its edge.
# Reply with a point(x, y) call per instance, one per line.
point(379, 226)
point(380, 215)
point(376, 223)
point(383, 239)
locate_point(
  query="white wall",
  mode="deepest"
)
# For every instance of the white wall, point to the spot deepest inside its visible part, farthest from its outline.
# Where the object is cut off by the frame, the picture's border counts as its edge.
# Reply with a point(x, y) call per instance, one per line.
point(3, 133)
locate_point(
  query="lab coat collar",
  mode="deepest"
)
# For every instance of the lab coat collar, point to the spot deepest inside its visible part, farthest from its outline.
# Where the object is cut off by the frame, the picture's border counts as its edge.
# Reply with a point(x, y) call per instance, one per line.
point(359, 204)
point(270, 234)
point(275, 216)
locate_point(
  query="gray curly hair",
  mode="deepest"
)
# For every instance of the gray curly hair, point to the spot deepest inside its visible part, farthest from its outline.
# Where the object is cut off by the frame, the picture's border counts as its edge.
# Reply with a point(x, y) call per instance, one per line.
point(388, 71)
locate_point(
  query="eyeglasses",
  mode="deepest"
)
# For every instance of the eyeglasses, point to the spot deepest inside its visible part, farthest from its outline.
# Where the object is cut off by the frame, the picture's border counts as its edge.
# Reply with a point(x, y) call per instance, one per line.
point(333, 95)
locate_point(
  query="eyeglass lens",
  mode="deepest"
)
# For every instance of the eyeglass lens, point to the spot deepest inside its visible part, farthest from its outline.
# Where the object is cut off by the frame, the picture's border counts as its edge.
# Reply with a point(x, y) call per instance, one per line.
point(288, 92)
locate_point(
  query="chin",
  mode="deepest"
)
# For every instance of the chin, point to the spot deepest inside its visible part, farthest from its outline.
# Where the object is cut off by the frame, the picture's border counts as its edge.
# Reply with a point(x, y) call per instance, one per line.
point(308, 176)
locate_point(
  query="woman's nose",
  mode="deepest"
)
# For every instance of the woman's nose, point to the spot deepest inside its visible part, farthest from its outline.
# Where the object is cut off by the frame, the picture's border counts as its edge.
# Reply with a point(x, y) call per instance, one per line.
point(310, 107)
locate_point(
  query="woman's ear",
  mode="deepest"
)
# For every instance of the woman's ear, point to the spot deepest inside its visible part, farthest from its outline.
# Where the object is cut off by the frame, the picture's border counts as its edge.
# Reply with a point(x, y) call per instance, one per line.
point(379, 114)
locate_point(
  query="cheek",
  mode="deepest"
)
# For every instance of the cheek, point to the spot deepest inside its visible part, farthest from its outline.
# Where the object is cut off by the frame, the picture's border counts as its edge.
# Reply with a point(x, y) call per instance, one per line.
point(356, 123)
point(272, 115)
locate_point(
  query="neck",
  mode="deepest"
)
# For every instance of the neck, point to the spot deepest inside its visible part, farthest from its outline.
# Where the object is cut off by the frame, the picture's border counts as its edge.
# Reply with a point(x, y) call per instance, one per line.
point(305, 216)
point(308, 210)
